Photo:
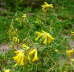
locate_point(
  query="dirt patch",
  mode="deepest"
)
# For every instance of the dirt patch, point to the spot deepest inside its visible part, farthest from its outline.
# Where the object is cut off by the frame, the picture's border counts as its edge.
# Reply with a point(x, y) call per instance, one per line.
point(71, 43)
point(4, 48)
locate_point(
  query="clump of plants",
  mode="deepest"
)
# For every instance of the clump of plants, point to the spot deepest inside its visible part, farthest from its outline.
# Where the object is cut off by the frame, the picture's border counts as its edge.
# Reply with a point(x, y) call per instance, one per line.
point(37, 43)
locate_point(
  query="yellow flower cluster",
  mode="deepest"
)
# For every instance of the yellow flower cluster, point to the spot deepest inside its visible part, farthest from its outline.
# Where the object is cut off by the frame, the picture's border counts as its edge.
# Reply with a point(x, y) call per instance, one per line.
point(70, 53)
point(12, 33)
point(72, 33)
point(46, 6)
point(7, 70)
point(34, 54)
point(72, 60)
point(15, 39)
point(24, 15)
point(24, 46)
point(22, 59)
point(46, 37)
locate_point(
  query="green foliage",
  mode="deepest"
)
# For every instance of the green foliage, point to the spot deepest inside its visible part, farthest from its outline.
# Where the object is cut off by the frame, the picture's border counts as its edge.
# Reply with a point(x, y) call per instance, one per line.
point(17, 4)
point(4, 25)
point(24, 24)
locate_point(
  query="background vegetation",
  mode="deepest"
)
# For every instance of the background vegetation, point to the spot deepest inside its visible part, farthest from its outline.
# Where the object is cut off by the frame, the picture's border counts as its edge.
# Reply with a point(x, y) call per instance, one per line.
point(58, 21)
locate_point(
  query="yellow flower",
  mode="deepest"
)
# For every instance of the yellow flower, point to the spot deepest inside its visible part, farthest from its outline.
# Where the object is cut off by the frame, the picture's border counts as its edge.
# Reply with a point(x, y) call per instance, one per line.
point(72, 33)
point(20, 58)
point(15, 40)
point(56, 50)
point(39, 35)
point(7, 70)
point(72, 59)
point(46, 37)
point(24, 16)
point(46, 6)
point(34, 54)
point(69, 52)
point(35, 57)
point(17, 19)
point(24, 46)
